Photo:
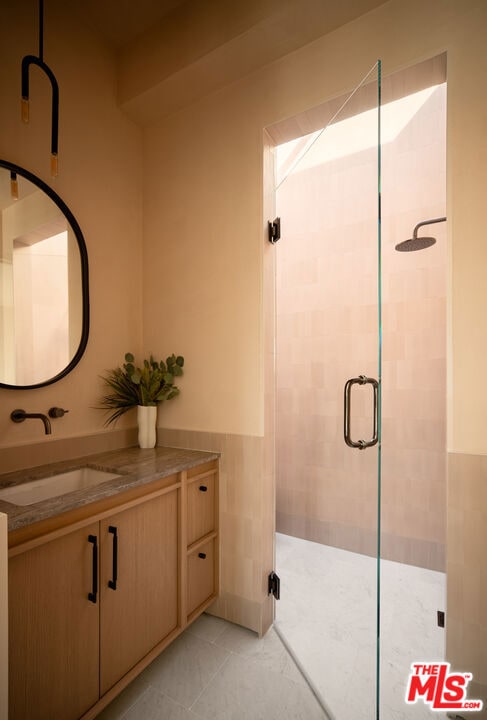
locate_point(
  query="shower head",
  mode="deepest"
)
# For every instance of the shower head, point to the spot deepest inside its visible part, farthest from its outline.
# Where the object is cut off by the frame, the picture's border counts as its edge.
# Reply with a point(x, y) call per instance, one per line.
point(419, 243)
point(415, 243)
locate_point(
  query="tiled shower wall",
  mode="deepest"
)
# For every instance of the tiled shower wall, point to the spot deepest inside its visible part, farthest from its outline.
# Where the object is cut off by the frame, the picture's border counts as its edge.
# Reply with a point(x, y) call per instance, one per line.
point(327, 332)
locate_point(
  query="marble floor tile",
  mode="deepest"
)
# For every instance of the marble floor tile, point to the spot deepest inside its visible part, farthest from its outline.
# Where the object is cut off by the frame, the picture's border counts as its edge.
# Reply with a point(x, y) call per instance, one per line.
point(246, 690)
point(234, 676)
point(185, 668)
point(153, 705)
point(268, 651)
point(123, 702)
point(327, 617)
point(207, 627)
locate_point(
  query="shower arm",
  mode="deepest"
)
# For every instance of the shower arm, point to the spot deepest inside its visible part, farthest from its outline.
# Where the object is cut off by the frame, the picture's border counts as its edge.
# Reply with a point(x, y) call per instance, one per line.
point(426, 222)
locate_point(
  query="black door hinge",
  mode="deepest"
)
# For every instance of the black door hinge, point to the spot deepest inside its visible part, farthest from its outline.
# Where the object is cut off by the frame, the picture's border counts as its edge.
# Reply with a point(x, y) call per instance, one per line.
point(274, 585)
point(441, 618)
point(274, 230)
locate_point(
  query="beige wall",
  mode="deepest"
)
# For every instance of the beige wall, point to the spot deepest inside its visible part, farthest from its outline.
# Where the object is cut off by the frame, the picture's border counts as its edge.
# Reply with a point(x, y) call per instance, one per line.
point(100, 181)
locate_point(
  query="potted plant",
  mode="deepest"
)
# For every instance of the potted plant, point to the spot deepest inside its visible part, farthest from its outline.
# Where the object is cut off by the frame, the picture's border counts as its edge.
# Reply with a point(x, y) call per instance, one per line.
point(142, 387)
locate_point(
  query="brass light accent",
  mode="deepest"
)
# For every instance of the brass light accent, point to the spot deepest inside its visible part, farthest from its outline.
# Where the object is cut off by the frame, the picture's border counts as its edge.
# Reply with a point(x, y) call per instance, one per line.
point(14, 185)
point(27, 61)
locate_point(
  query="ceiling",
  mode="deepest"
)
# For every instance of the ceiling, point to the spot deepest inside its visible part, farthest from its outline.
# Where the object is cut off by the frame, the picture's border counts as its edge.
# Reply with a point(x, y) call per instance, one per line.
point(119, 22)
point(172, 52)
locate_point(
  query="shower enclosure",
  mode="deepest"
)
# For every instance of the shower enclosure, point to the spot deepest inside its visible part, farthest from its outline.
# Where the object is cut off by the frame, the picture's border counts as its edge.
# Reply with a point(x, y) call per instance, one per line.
point(360, 386)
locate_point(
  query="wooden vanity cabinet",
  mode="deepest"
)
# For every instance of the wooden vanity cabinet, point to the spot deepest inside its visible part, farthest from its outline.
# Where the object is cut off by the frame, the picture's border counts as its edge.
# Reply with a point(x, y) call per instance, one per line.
point(90, 607)
point(53, 630)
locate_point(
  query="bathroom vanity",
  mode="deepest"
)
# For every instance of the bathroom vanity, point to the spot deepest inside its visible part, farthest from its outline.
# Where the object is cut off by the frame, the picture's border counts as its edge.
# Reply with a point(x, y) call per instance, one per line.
point(103, 578)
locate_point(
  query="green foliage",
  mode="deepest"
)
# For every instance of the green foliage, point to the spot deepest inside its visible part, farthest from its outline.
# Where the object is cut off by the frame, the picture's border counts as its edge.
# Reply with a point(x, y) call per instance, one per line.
point(150, 384)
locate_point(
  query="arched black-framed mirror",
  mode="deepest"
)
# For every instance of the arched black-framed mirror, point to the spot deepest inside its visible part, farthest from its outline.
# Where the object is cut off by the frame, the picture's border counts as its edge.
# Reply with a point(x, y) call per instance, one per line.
point(44, 293)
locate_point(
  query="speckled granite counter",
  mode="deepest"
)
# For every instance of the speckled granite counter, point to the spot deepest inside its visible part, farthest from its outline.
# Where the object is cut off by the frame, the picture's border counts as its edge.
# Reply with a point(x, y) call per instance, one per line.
point(135, 466)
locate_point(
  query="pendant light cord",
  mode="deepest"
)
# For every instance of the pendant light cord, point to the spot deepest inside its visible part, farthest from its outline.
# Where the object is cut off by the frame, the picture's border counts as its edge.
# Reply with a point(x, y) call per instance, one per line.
point(41, 30)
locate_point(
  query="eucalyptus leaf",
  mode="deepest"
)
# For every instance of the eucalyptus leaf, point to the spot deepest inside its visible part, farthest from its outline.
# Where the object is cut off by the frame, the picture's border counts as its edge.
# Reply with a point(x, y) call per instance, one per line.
point(150, 384)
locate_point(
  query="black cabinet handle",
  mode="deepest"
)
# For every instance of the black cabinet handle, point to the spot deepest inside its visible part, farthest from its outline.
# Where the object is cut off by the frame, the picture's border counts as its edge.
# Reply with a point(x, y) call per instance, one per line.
point(92, 595)
point(202, 555)
point(203, 488)
point(113, 582)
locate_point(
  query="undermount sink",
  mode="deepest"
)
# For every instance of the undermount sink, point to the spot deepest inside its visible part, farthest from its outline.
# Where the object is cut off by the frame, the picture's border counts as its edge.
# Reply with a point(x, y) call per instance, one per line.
point(34, 491)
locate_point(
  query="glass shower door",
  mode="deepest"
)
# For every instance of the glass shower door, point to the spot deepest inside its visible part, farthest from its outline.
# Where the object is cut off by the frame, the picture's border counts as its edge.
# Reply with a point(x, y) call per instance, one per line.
point(328, 402)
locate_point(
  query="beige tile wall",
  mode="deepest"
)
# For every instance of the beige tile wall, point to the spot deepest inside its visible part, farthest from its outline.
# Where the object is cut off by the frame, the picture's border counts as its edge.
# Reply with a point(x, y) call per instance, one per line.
point(243, 506)
point(327, 330)
point(466, 568)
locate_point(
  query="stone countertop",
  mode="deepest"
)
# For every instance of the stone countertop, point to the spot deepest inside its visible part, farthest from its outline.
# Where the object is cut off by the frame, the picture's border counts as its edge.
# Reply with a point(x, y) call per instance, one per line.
point(135, 466)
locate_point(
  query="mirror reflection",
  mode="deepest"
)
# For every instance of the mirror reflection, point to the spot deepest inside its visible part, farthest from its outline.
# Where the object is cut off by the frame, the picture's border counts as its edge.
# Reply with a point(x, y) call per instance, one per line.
point(43, 283)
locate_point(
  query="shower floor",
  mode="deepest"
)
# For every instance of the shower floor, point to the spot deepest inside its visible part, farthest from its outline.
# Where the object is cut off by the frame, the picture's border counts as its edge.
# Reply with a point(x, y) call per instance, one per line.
point(327, 618)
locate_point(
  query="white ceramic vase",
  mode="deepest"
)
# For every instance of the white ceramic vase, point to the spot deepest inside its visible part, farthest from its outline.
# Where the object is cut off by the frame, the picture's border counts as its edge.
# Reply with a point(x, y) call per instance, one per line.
point(146, 420)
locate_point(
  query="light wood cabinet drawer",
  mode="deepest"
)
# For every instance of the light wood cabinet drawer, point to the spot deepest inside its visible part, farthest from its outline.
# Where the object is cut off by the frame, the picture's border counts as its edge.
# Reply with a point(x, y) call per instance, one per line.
point(201, 508)
point(201, 575)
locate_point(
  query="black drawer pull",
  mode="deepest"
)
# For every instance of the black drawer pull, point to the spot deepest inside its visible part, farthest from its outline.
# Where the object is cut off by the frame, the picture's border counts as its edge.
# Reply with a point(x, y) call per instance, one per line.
point(203, 488)
point(202, 555)
point(113, 582)
point(92, 595)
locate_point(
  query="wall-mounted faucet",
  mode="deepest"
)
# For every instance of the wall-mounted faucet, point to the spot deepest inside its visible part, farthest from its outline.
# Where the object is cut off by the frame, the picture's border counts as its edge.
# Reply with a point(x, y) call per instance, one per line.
point(19, 416)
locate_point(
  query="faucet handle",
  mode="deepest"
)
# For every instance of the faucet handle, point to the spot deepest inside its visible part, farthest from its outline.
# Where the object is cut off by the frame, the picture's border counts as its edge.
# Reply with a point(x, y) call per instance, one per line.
point(56, 412)
point(17, 416)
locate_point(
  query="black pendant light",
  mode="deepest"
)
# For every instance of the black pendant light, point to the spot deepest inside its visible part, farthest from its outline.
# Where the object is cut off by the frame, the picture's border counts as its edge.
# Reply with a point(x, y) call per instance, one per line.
point(27, 61)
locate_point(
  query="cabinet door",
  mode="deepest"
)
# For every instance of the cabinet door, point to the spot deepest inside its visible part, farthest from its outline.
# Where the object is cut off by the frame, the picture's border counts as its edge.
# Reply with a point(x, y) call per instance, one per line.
point(53, 630)
point(140, 608)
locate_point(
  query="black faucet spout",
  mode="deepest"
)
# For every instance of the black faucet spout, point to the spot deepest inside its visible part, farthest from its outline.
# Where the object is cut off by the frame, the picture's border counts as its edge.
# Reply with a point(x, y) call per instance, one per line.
point(19, 416)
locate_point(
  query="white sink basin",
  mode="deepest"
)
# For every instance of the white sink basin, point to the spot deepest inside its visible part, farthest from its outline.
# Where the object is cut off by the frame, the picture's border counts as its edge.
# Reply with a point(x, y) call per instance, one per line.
point(34, 491)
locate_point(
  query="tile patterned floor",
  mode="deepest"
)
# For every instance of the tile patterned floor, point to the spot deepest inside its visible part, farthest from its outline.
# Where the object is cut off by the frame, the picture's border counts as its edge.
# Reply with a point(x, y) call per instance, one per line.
point(327, 616)
point(218, 671)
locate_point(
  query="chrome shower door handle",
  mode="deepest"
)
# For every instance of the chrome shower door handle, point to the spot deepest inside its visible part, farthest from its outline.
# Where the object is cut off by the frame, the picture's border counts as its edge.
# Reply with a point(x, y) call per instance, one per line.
point(360, 380)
